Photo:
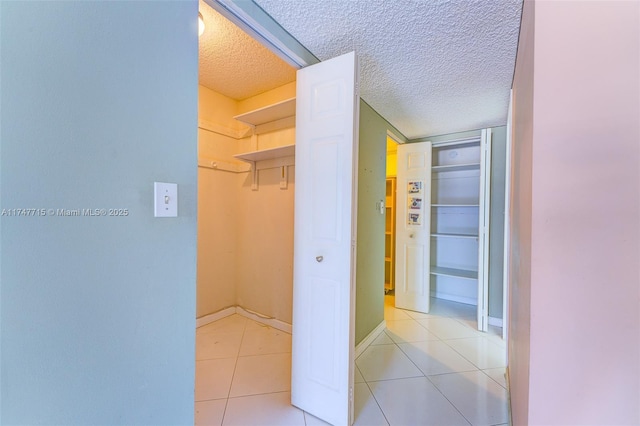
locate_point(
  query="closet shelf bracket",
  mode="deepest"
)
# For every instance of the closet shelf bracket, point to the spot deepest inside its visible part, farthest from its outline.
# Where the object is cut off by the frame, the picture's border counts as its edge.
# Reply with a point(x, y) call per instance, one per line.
point(254, 176)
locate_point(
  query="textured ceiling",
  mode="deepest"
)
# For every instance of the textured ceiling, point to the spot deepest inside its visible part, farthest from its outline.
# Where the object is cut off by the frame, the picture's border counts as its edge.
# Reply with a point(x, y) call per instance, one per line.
point(233, 63)
point(429, 67)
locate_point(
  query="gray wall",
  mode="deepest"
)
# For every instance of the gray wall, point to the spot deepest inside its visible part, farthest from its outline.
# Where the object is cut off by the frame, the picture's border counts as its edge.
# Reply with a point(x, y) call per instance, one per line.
point(496, 230)
point(98, 101)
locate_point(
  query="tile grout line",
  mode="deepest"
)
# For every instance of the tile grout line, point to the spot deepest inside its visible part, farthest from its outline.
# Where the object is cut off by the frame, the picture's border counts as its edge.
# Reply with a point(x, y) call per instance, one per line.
point(429, 379)
point(244, 328)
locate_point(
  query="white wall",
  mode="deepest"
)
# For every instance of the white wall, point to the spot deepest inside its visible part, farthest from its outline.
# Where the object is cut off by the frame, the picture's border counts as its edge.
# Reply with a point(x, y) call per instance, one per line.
point(584, 361)
point(97, 313)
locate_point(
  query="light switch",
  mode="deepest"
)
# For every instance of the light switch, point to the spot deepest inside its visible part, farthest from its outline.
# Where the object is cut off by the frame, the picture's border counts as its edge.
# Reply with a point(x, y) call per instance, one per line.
point(165, 199)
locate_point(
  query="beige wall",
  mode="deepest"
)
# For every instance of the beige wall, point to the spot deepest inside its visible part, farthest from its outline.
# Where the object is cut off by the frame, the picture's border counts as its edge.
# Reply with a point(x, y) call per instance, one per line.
point(245, 237)
point(217, 229)
point(264, 267)
point(576, 254)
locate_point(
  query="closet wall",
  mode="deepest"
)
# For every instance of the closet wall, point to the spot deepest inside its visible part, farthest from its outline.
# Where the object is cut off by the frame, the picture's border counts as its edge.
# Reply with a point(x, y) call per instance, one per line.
point(245, 237)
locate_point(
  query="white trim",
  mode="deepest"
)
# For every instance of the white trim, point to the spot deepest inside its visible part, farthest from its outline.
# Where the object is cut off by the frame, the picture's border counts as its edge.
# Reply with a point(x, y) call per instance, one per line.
point(496, 322)
point(507, 219)
point(250, 17)
point(263, 319)
point(397, 139)
point(484, 229)
point(371, 337)
point(208, 319)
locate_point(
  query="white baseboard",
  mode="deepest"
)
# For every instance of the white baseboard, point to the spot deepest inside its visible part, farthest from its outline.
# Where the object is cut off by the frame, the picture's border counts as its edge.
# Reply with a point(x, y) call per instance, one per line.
point(271, 322)
point(207, 319)
point(496, 322)
point(454, 298)
point(263, 319)
point(367, 341)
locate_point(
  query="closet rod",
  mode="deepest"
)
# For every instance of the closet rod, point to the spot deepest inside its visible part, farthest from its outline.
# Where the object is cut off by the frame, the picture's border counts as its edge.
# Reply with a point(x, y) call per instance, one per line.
point(223, 166)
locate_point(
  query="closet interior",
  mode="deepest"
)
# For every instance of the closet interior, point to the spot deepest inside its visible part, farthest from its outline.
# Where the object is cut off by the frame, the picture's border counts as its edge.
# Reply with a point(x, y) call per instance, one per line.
point(245, 213)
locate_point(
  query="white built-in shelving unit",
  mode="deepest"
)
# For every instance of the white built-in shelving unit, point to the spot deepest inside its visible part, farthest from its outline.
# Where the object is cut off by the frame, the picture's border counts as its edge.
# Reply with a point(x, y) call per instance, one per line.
point(280, 115)
point(455, 192)
point(458, 221)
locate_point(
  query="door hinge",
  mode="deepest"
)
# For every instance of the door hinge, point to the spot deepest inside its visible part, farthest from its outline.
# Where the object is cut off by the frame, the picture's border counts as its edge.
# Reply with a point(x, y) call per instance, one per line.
point(351, 394)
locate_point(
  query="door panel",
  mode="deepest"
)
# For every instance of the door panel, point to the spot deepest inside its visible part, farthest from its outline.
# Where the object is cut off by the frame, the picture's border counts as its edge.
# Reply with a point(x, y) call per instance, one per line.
point(324, 239)
point(413, 221)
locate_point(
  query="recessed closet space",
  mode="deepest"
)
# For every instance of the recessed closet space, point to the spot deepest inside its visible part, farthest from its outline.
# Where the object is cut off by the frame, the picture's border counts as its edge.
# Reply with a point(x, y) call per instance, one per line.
point(245, 195)
point(390, 216)
point(450, 222)
point(455, 204)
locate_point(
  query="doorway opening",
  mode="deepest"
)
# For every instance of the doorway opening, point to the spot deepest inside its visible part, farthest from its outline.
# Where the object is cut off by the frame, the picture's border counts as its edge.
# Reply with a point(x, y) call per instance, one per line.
point(246, 181)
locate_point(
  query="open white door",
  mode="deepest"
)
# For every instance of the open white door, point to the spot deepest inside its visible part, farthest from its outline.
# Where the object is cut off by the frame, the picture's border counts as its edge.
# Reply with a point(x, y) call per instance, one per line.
point(483, 230)
point(413, 222)
point(327, 114)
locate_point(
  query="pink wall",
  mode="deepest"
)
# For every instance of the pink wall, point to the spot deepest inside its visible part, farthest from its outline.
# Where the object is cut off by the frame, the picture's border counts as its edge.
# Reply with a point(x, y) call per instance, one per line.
point(584, 360)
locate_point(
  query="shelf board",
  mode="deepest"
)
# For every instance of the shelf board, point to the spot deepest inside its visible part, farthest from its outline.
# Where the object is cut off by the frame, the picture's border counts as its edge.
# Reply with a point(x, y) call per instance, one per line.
point(277, 111)
point(451, 272)
point(443, 235)
point(455, 167)
point(455, 205)
point(267, 154)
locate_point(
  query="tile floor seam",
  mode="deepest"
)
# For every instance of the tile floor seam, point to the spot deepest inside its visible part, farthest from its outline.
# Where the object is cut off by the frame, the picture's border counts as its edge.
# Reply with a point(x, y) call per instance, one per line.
point(377, 403)
point(235, 366)
point(459, 353)
point(486, 374)
point(450, 402)
point(410, 359)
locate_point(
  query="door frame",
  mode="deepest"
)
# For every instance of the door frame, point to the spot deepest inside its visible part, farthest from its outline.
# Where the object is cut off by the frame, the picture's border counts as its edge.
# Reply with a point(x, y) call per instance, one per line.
point(250, 18)
point(507, 224)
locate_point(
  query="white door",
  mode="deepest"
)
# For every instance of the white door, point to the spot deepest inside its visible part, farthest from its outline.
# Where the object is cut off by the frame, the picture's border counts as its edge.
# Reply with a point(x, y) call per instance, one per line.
point(327, 115)
point(483, 230)
point(413, 222)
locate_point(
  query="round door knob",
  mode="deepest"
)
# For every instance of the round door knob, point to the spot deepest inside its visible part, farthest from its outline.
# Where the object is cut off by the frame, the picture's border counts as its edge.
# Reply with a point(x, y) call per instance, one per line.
point(319, 259)
point(410, 235)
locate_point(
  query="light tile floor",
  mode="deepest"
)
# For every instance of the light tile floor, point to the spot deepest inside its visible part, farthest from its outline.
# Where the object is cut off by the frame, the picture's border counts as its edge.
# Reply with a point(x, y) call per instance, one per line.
point(424, 369)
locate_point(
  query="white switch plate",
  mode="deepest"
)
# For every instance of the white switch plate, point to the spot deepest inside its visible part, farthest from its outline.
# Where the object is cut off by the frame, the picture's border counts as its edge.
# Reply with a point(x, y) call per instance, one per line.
point(165, 199)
